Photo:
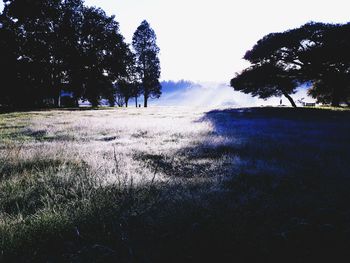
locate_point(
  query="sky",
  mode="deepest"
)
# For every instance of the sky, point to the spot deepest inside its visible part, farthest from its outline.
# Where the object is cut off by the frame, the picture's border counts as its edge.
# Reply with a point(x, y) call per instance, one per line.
point(205, 40)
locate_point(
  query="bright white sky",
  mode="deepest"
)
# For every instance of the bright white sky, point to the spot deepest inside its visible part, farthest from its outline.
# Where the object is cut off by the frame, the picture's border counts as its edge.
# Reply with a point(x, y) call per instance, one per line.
point(204, 40)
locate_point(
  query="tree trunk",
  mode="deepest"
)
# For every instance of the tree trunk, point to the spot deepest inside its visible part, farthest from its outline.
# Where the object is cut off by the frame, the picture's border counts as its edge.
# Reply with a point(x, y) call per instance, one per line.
point(126, 102)
point(290, 99)
point(335, 98)
point(76, 100)
point(55, 85)
point(57, 100)
point(145, 101)
point(335, 103)
point(136, 101)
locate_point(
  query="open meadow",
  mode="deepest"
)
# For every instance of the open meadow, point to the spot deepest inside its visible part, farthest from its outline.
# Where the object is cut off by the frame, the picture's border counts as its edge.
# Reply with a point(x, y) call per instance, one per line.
point(172, 184)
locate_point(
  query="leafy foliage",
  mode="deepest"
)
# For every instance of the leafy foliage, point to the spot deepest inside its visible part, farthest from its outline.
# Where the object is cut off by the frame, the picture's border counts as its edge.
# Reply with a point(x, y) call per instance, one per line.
point(265, 81)
point(129, 86)
point(54, 46)
point(315, 53)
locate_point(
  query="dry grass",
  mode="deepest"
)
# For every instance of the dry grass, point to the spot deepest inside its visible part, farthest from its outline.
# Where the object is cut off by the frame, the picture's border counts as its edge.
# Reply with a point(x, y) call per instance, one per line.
point(149, 184)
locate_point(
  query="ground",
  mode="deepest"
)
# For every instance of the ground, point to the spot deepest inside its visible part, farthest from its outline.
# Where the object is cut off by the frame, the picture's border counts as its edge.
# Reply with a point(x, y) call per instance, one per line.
point(174, 184)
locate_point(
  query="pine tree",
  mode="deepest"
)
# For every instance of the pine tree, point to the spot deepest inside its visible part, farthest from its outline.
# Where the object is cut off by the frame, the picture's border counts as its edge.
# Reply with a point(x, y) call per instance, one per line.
point(148, 65)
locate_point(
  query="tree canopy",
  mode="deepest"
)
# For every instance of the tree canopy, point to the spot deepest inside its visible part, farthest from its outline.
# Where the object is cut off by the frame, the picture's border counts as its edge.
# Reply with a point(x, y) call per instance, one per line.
point(129, 86)
point(53, 46)
point(265, 81)
point(148, 65)
point(316, 53)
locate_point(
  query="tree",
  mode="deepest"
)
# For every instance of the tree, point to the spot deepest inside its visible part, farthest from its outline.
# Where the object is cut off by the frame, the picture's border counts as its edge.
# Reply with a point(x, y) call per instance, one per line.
point(276, 65)
point(128, 86)
point(148, 65)
point(38, 60)
point(8, 63)
point(315, 53)
point(265, 81)
point(59, 45)
point(71, 28)
point(329, 65)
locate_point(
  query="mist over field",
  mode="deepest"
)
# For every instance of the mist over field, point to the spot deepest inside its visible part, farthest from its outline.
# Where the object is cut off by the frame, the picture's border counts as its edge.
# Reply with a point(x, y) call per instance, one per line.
point(216, 95)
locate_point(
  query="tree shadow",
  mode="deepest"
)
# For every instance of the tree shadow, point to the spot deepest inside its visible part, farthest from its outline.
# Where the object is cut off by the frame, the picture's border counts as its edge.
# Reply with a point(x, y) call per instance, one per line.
point(273, 181)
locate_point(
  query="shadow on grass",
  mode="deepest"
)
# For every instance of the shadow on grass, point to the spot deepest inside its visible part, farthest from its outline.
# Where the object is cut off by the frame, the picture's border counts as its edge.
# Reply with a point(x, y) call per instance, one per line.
point(282, 197)
point(294, 136)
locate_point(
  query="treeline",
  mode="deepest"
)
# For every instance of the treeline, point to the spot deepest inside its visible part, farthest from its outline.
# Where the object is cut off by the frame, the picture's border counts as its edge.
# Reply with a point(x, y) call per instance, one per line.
point(53, 46)
point(315, 54)
point(174, 86)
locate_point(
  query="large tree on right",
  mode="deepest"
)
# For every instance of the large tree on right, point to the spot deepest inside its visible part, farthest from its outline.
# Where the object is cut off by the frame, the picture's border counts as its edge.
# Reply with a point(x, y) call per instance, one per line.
point(315, 53)
point(148, 65)
point(265, 81)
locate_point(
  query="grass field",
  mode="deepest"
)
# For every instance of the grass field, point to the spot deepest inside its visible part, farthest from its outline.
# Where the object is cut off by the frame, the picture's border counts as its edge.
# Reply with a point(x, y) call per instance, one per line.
point(169, 184)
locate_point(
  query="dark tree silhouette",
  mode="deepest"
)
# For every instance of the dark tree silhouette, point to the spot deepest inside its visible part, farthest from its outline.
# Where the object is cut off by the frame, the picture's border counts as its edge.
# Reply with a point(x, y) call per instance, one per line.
point(146, 49)
point(315, 53)
point(59, 45)
point(101, 44)
point(38, 59)
point(265, 81)
point(128, 86)
point(328, 65)
point(71, 25)
point(8, 63)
